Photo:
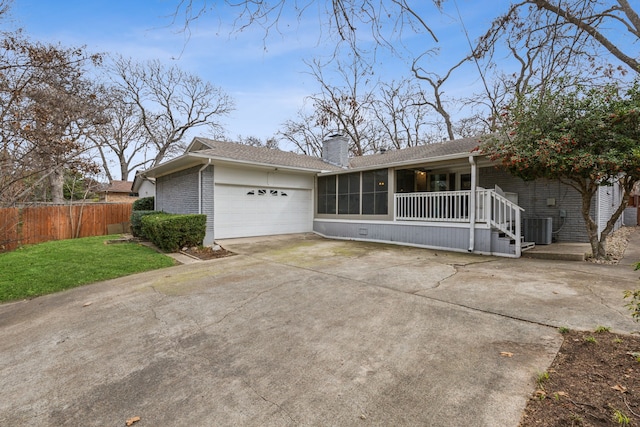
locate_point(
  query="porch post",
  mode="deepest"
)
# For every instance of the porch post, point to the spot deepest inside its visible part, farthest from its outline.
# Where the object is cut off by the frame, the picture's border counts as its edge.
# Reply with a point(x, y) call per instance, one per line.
point(472, 204)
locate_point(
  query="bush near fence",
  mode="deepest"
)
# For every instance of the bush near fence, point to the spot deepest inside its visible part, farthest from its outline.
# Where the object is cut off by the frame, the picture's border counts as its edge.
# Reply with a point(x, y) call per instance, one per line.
point(37, 224)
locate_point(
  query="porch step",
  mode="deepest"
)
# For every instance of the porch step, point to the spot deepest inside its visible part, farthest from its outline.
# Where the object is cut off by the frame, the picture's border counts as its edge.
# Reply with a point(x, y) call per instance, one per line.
point(527, 245)
point(524, 245)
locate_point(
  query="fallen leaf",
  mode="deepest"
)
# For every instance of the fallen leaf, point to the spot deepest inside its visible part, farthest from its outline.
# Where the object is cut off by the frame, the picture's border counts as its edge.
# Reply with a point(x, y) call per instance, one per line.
point(540, 393)
point(87, 304)
point(132, 420)
point(620, 388)
point(506, 354)
point(562, 393)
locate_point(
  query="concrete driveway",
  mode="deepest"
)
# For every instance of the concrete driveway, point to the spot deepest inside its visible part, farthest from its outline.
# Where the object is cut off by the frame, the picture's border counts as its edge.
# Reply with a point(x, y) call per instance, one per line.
point(298, 330)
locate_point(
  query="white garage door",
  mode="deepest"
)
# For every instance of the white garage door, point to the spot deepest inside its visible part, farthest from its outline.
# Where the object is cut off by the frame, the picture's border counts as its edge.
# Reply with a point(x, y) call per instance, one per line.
point(241, 211)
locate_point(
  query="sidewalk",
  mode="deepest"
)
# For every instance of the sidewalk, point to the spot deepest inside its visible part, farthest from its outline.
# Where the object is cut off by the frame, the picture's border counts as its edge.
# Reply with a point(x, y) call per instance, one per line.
point(581, 251)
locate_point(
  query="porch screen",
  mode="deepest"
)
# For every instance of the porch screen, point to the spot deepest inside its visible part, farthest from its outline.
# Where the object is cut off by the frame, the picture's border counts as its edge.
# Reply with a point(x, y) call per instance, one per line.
point(349, 193)
point(374, 192)
point(327, 195)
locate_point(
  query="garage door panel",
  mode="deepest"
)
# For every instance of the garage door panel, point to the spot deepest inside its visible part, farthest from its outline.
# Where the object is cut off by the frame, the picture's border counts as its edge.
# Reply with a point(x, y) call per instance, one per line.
point(242, 211)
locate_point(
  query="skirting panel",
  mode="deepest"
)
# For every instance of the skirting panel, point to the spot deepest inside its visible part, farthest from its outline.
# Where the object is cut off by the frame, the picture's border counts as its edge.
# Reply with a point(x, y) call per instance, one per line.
point(440, 236)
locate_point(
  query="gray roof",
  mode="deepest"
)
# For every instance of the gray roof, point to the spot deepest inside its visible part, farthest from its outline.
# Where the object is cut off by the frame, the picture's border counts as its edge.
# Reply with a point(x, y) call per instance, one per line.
point(462, 147)
point(201, 149)
point(262, 155)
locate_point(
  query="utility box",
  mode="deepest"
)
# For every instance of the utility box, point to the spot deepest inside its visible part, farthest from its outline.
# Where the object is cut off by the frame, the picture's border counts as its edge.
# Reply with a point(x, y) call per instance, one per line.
point(538, 230)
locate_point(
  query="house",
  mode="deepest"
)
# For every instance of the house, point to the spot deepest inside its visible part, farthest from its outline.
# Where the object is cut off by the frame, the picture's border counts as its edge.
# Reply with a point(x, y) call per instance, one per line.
point(445, 196)
point(143, 186)
point(117, 192)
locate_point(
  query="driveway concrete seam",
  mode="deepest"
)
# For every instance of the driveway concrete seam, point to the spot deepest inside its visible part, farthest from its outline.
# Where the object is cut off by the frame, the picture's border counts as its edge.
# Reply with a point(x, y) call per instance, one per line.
point(479, 310)
point(602, 302)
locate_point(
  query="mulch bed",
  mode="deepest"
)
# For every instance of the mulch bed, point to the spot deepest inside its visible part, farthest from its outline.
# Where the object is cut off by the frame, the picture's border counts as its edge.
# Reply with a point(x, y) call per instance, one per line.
point(206, 252)
point(593, 381)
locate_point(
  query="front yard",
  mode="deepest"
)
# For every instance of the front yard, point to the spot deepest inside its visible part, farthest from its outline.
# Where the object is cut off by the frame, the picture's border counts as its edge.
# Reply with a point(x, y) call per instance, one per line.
point(57, 265)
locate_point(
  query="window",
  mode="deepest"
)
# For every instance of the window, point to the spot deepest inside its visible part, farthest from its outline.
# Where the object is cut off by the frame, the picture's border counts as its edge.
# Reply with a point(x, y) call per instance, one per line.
point(405, 181)
point(349, 193)
point(465, 181)
point(374, 192)
point(327, 195)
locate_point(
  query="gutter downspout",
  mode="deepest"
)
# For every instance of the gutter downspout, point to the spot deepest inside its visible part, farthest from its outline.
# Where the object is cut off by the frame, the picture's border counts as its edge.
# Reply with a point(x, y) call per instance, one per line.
point(472, 204)
point(200, 185)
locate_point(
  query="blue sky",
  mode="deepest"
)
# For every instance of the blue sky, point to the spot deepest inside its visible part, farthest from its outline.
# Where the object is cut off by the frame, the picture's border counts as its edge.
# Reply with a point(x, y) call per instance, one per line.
point(267, 78)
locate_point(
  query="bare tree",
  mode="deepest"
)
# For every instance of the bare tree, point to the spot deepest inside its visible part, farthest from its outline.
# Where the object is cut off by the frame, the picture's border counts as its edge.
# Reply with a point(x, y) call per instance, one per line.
point(384, 21)
point(436, 82)
point(254, 141)
point(544, 37)
point(346, 108)
point(603, 20)
point(169, 102)
point(122, 135)
point(304, 134)
point(402, 114)
point(47, 107)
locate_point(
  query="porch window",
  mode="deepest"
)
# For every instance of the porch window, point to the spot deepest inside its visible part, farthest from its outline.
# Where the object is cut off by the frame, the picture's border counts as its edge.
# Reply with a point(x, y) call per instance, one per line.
point(465, 181)
point(374, 192)
point(349, 193)
point(327, 194)
point(354, 193)
point(410, 180)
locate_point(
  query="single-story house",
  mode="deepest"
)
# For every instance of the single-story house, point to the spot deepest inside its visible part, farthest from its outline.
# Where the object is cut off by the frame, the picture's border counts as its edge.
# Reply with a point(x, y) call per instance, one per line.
point(143, 186)
point(444, 196)
point(117, 191)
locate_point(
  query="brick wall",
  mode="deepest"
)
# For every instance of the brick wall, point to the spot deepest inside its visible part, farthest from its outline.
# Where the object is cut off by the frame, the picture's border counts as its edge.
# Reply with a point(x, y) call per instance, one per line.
point(533, 197)
point(178, 192)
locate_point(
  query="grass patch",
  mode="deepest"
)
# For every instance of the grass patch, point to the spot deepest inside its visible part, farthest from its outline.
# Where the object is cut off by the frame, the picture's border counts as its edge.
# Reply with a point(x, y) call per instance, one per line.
point(53, 266)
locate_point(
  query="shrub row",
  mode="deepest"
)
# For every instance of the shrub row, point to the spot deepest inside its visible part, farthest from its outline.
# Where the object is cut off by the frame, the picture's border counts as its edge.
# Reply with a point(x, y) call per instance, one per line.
point(136, 221)
point(170, 232)
point(144, 204)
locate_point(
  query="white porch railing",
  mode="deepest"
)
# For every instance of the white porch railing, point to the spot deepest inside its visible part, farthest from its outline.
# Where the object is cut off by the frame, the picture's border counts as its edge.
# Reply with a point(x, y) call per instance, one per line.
point(453, 206)
point(445, 206)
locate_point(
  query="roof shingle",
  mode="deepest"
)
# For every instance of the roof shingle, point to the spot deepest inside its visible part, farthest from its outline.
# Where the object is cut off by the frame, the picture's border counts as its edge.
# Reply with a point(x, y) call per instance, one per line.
point(262, 155)
point(269, 156)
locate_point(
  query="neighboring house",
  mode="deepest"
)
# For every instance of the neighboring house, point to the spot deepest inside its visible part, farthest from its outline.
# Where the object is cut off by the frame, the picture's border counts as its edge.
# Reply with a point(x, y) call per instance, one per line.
point(445, 196)
point(143, 186)
point(118, 191)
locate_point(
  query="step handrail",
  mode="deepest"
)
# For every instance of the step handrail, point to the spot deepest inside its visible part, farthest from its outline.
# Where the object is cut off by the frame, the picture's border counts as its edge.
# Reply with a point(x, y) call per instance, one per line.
point(505, 216)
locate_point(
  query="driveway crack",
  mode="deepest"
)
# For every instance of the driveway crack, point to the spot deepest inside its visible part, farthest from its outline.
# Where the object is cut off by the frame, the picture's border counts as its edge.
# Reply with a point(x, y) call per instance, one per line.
point(271, 402)
point(247, 301)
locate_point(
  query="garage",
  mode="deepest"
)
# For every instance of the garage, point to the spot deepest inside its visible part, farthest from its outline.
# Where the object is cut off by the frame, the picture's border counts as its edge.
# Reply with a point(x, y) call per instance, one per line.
point(244, 211)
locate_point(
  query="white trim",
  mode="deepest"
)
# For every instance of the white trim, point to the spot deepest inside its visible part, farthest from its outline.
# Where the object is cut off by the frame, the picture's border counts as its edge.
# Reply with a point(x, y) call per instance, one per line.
point(255, 164)
point(413, 223)
point(389, 242)
point(472, 204)
point(419, 161)
point(200, 189)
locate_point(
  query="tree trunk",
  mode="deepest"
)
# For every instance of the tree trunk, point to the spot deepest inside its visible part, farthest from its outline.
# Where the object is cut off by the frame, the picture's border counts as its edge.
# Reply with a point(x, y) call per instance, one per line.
point(587, 191)
point(626, 184)
point(56, 182)
point(124, 168)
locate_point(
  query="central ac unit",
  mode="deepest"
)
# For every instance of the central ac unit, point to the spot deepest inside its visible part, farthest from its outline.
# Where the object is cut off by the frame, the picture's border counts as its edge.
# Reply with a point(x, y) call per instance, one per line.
point(538, 230)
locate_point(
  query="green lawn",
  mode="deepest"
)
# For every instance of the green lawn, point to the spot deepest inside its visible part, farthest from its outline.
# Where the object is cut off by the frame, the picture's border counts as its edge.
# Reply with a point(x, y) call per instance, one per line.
point(54, 266)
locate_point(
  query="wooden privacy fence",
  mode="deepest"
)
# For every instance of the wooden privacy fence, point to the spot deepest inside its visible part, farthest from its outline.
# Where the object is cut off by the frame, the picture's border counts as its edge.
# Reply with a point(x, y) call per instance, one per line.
point(37, 224)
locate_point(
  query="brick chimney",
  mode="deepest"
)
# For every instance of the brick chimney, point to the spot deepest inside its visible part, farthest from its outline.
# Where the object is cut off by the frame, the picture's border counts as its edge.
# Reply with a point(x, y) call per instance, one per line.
point(335, 150)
